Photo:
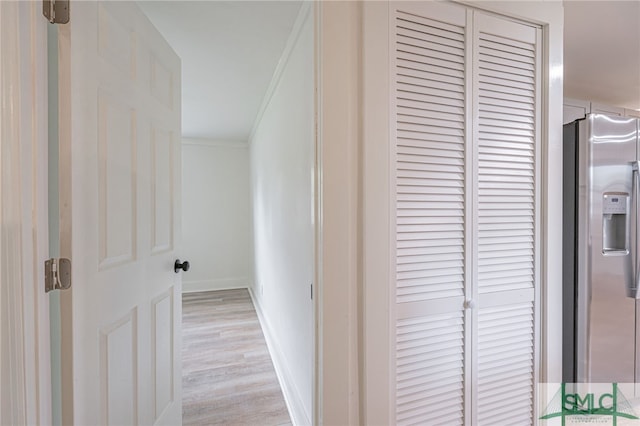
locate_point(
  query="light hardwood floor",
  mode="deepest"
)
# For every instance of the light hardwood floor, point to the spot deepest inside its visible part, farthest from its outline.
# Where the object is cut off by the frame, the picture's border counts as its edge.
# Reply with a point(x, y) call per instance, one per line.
point(227, 376)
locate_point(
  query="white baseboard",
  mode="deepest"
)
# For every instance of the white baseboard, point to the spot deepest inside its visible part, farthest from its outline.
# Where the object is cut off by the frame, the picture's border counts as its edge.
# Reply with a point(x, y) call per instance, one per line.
point(291, 395)
point(211, 285)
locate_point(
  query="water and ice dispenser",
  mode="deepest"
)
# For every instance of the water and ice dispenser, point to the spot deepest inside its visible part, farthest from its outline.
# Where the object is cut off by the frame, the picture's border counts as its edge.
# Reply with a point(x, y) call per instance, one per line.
point(615, 223)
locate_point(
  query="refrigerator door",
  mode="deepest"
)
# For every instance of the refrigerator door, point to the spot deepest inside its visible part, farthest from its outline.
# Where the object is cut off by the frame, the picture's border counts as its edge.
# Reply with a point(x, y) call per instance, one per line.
point(605, 329)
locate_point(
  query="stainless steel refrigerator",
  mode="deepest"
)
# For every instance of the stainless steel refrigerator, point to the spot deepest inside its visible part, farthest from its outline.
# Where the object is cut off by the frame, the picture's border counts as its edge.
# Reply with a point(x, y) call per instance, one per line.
point(601, 262)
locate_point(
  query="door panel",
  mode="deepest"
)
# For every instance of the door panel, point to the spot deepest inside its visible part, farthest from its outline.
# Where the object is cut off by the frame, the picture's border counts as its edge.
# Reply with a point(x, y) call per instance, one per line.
point(162, 162)
point(120, 119)
point(507, 202)
point(162, 361)
point(116, 182)
point(431, 219)
point(465, 147)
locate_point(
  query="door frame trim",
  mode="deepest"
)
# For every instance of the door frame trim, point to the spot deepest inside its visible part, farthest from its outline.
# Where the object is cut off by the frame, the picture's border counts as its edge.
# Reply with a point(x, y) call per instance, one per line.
point(25, 369)
point(338, 208)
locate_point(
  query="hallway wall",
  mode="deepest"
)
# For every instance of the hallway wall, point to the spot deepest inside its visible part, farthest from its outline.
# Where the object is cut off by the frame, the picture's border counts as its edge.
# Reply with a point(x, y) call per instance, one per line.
point(216, 215)
point(281, 154)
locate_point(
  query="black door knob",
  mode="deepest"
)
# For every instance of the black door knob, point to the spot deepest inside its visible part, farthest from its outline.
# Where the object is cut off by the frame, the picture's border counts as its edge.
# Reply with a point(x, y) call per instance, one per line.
point(178, 265)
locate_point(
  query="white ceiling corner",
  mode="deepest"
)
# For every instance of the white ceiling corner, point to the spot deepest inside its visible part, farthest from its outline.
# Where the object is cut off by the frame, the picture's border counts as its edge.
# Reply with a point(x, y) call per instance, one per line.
point(602, 52)
point(229, 52)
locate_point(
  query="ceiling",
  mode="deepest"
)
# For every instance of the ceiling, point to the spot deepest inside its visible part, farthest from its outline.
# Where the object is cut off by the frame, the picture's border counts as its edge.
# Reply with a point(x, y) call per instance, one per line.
point(602, 52)
point(230, 49)
point(229, 52)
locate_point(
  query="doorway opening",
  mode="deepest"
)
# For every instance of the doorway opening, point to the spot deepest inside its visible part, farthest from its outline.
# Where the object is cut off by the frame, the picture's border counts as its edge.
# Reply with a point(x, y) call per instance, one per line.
point(248, 201)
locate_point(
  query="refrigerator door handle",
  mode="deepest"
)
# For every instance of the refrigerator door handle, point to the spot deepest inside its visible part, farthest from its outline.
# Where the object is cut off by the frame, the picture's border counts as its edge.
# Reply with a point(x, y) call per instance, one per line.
point(633, 287)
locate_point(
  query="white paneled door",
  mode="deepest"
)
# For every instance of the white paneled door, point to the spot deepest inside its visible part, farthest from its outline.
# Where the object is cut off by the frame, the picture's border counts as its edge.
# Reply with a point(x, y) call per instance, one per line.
point(120, 193)
point(465, 144)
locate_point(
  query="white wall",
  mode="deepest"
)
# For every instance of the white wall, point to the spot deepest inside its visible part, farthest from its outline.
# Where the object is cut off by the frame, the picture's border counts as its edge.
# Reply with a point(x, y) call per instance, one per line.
point(281, 153)
point(216, 215)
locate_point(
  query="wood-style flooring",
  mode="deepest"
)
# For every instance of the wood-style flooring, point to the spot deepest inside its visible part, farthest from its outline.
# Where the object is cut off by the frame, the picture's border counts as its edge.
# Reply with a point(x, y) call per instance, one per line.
point(227, 375)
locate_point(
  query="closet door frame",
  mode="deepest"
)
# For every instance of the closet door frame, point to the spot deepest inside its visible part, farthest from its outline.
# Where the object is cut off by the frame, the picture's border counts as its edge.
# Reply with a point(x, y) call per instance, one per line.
point(377, 377)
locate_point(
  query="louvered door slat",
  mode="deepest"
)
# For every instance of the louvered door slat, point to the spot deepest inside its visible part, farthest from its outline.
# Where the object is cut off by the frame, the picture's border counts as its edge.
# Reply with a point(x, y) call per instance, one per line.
point(516, 98)
point(424, 163)
point(427, 197)
point(517, 264)
point(443, 129)
point(429, 269)
point(429, 358)
point(516, 107)
point(410, 190)
point(411, 287)
point(505, 363)
point(521, 257)
point(406, 111)
point(409, 137)
point(434, 398)
point(426, 120)
point(431, 87)
point(497, 139)
point(452, 111)
point(492, 182)
point(498, 123)
point(444, 67)
point(417, 147)
point(494, 110)
point(430, 100)
point(500, 153)
point(429, 75)
point(421, 229)
point(408, 252)
point(508, 45)
point(508, 84)
point(505, 76)
point(493, 57)
point(447, 34)
point(507, 351)
point(430, 44)
point(442, 54)
point(493, 50)
point(516, 403)
point(419, 220)
point(500, 93)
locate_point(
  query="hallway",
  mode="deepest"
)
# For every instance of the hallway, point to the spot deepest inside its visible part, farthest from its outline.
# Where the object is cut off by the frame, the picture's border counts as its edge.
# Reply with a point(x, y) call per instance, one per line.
point(227, 376)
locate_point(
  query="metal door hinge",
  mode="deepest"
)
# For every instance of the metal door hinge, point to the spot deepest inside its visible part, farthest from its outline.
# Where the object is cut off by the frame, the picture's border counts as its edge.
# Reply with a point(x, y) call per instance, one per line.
point(56, 11)
point(57, 274)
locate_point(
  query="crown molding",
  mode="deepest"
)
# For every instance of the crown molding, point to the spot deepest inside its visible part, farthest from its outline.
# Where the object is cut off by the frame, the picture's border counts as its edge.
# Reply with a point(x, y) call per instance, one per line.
point(213, 143)
point(305, 8)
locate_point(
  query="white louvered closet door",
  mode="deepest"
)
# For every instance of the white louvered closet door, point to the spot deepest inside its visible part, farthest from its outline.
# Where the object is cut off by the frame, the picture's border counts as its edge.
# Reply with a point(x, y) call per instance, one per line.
point(431, 170)
point(464, 105)
point(506, 133)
